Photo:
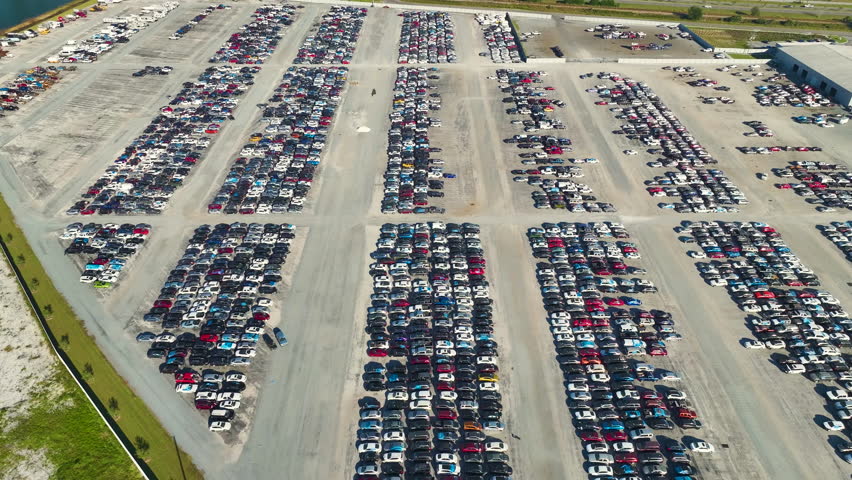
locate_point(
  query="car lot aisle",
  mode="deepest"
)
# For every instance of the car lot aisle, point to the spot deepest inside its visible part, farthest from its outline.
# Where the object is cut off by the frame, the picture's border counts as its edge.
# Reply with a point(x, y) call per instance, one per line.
point(543, 444)
point(751, 384)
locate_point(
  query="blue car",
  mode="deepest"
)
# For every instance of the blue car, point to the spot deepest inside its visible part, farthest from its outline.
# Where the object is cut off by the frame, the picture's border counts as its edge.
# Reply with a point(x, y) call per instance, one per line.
point(632, 301)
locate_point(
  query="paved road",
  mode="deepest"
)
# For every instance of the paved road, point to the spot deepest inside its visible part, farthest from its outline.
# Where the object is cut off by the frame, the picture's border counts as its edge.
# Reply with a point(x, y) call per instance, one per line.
point(305, 416)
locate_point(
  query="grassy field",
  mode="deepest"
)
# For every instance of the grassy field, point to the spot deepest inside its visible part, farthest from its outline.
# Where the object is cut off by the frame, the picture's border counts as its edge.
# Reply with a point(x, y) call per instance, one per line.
point(153, 444)
point(60, 412)
point(740, 38)
point(750, 56)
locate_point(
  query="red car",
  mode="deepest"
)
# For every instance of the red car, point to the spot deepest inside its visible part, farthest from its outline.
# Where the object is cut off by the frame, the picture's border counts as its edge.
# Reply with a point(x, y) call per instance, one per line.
point(472, 447)
point(377, 352)
point(630, 458)
point(614, 302)
point(205, 404)
point(476, 271)
point(615, 436)
point(186, 377)
point(420, 359)
point(445, 368)
point(445, 414)
point(658, 352)
point(590, 436)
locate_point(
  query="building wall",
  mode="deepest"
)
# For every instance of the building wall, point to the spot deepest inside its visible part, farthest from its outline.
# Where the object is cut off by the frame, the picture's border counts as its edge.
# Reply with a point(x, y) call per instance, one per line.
point(800, 72)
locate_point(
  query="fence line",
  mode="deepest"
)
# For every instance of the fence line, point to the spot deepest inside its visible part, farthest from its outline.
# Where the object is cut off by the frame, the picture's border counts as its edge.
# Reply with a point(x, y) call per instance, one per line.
point(146, 473)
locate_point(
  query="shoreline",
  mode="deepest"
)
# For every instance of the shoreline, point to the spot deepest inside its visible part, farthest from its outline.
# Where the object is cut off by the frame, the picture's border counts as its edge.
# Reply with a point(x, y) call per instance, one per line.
point(49, 15)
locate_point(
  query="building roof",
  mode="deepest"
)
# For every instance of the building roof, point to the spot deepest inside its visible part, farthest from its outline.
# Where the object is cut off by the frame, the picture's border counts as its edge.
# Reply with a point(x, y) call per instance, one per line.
point(831, 61)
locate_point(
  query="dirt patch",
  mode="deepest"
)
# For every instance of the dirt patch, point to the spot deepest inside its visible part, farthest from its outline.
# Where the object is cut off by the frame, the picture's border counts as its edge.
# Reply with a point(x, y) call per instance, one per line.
point(32, 465)
point(25, 359)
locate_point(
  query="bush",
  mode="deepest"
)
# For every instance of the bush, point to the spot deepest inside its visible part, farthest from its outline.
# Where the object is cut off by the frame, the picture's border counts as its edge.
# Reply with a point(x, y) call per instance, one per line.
point(734, 19)
point(695, 13)
point(755, 12)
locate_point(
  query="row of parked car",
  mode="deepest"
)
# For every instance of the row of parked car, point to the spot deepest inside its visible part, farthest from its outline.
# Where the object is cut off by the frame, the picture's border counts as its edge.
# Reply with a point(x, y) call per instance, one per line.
point(759, 129)
point(426, 37)
point(777, 148)
point(152, 70)
point(768, 281)
point(256, 40)
point(115, 32)
point(650, 121)
point(275, 170)
point(107, 249)
point(413, 176)
point(785, 94)
point(146, 174)
point(840, 234)
point(431, 309)
point(29, 84)
point(826, 185)
point(196, 20)
point(529, 99)
point(219, 294)
point(497, 32)
point(602, 340)
point(333, 41)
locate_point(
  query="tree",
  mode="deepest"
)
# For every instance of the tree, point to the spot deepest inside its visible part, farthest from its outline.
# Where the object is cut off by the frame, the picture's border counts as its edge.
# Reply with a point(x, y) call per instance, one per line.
point(112, 404)
point(695, 13)
point(755, 12)
point(734, 19)
point(141, 444)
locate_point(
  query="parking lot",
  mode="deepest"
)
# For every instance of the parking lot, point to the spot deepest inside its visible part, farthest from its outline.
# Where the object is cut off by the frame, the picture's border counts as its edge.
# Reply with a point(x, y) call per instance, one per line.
point(303, 399)
point(575, 42)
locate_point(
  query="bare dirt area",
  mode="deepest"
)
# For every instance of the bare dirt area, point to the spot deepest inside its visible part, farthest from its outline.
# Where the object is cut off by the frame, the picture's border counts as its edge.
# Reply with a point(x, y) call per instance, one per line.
point(25, 359)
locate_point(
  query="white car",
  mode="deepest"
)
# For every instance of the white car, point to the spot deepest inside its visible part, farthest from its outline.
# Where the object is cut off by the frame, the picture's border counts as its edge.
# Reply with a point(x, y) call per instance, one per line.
point(230, 404)
point(229, 396)
point(220, 426)
point(186, 387)
point(600, 471)
point(630, 152)
point(495, 447)
point(597, 447)
point(489, 386)
point(601, 458)
point(493, 426)
point(369, 447)
point(626, 447)
point(235, 377)
point(833, 425)
point(754, 344)
point(447, 458)
point(397, 457)
point(702, 447)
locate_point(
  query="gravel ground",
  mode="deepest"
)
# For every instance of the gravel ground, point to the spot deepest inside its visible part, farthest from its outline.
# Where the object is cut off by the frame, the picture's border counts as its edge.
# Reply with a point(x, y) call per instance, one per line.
point(303, 415)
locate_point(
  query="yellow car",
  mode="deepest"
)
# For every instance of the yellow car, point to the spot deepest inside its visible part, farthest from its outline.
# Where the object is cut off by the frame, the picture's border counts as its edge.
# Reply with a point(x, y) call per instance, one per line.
point(488, 377)
point(255, 137)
